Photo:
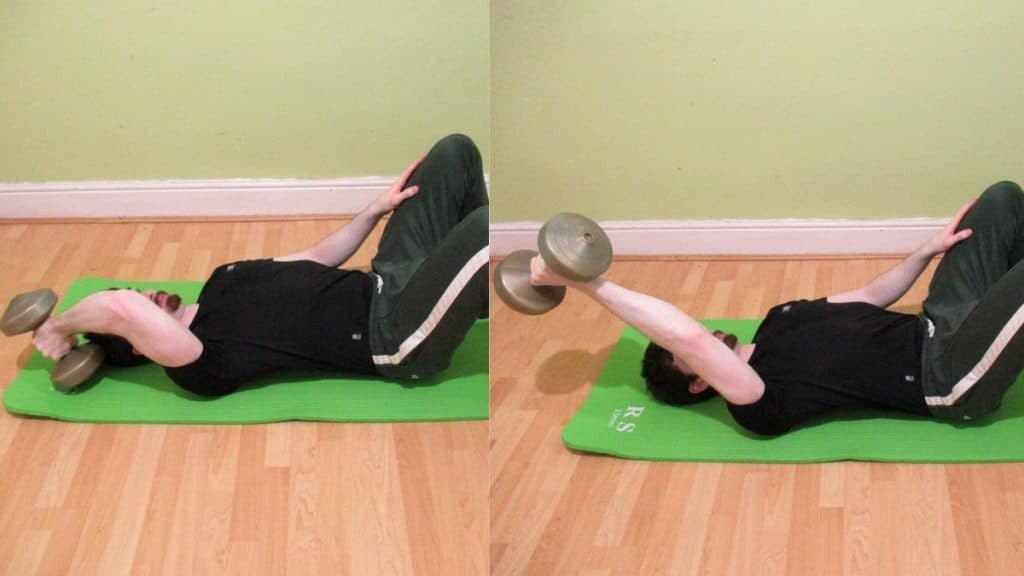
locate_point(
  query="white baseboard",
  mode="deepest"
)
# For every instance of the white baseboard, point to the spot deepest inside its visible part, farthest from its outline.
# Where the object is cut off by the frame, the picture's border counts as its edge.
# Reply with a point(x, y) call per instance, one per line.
point(341, 196)
point(185, 198)
point(741, 237)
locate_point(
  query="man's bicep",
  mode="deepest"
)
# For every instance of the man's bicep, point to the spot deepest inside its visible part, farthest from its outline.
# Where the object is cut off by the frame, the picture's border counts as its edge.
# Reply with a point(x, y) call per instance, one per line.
point(156, 335)
point(298, 256)
point(310, 255)
point(726, 371)
point(858, 295)
point(738, 383)
point(175, 346)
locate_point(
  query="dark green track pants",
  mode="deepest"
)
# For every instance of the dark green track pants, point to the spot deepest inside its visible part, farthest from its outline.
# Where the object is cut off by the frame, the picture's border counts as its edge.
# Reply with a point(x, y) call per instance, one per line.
point(431, 265)
point(974, 348)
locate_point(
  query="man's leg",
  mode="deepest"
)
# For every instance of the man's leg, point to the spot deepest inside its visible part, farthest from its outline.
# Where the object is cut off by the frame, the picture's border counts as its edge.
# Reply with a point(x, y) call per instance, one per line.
point(976, 302)
point(430, 265)
point(970, 268)
point(452, 186)
point(439, 305)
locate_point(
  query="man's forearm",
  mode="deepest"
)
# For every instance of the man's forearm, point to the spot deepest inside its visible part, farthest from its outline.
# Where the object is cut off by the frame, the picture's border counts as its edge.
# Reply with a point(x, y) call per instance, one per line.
point(893, 284)
point(94, 313)
point(337, 248)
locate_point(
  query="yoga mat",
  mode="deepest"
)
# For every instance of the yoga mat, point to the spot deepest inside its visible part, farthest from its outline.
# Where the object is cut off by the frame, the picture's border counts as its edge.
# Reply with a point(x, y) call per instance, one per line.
point(145, 394)
point(619, 418)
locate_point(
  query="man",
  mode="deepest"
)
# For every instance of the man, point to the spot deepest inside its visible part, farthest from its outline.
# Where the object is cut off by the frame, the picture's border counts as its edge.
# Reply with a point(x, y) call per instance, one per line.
point(299, 311)
point(810, 358)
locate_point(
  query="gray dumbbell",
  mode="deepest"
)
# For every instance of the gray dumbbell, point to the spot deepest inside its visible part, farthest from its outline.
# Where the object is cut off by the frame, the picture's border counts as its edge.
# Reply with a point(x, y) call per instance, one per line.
point(28, 311)
point(572, 245)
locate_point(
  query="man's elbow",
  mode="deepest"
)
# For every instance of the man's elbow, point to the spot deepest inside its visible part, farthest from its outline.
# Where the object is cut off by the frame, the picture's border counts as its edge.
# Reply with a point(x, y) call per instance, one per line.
point(120, 308)
point(686, 340)
point(312, 255)
point(876, 297)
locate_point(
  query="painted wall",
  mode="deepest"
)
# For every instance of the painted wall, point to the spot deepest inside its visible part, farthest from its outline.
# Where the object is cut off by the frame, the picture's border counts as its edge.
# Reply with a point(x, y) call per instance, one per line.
point(155, 90)
point(749, 109)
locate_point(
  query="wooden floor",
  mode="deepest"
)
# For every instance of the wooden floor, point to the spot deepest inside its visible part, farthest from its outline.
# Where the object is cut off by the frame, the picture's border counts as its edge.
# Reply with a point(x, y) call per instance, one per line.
point(315, 498)
point(554, 511)
point(289, 498)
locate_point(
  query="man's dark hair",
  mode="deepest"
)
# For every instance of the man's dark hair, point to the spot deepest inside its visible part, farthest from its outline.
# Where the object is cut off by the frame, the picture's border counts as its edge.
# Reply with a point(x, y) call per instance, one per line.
point(117, 351)
point(666, 382)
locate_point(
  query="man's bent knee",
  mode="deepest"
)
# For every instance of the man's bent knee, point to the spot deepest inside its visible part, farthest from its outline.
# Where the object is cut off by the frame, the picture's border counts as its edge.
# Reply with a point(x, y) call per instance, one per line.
point(457, 146)
point(478, 219)
point(1007, 195)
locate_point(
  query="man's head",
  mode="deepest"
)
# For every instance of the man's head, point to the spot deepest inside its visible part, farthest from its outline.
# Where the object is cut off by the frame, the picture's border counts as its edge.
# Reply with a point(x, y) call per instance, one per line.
point(119, 351)
point(670, 381)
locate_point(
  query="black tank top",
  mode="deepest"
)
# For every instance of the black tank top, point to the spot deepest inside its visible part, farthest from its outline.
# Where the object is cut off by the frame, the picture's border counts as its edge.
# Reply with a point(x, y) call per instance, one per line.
point(258, 317)
point(816, 357)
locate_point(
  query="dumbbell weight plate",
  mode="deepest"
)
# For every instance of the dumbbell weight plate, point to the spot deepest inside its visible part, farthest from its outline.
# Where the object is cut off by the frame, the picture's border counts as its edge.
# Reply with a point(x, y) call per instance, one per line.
point(574, 247)
point(512, 284)
point(27, 311)
point(76, 367)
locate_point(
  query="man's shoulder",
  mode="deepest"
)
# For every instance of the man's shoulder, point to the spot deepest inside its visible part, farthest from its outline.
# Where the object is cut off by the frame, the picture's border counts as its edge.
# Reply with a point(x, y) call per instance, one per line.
point(207, 375)
point(792, 305)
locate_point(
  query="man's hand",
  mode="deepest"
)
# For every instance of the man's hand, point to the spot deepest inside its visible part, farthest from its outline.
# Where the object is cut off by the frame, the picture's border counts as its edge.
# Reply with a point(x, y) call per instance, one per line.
point(948, 236)
point(541, 275)
point(398, 193)
point(51, 342)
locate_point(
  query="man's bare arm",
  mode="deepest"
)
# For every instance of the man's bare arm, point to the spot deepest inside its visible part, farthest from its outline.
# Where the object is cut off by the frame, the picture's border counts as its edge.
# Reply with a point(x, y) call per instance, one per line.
point(337, 248)
point(126, 313)
point(672, 329)
point(889, 287)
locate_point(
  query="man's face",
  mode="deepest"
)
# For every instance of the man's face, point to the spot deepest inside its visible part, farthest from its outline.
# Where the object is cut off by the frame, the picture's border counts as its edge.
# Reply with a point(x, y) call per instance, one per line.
point(170, 303)
point(699, 385)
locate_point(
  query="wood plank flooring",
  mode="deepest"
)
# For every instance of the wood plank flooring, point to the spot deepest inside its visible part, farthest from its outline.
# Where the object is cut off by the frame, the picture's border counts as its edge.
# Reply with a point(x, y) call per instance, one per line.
point(288, 498)
point(554, 511)
point(316, 498)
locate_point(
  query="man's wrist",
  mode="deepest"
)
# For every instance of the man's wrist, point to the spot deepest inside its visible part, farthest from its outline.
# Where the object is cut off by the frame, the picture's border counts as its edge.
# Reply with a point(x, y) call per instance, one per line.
point(929, 250)
point(589, 286)
point(377, 209)
point(59, 325)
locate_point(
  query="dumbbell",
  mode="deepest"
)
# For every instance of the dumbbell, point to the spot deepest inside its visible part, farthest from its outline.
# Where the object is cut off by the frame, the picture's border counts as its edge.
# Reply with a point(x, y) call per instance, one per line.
point(28, 311)
point(572, 246)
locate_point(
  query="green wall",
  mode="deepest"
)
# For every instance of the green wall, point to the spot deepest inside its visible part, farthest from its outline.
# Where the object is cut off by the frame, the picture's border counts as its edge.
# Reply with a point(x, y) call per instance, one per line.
point(654, 110)
point(750, 109)
point(238, 88)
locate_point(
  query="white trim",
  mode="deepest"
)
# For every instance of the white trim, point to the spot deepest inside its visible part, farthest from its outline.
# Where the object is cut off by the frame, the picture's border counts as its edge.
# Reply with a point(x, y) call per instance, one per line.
point(989, 358)
point(182, 198)
point(437, 313)
point(186, 198)
point(742, 237)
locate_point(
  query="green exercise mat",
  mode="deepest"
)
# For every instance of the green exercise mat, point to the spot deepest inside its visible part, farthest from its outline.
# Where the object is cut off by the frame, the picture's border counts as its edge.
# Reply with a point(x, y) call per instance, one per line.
point(145, 394)
point(619, 418)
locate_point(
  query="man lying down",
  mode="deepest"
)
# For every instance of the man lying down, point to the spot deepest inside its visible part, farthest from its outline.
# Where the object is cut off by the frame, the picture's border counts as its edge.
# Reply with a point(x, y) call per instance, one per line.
point(810, 359)
point(300, 312)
